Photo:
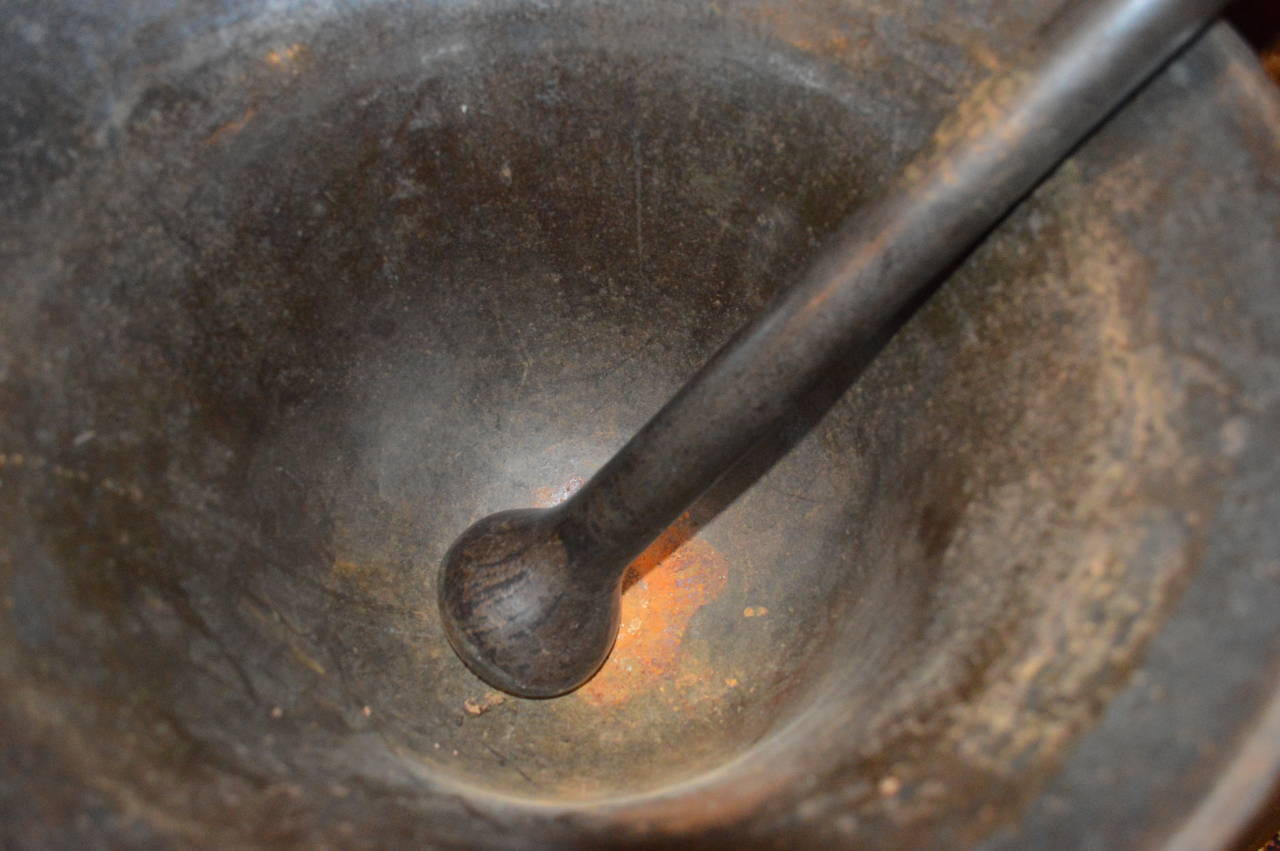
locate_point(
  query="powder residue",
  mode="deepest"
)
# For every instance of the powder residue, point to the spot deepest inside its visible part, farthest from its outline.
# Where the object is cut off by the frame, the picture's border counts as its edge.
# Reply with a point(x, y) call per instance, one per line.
point(677, 575)
point(664, 587)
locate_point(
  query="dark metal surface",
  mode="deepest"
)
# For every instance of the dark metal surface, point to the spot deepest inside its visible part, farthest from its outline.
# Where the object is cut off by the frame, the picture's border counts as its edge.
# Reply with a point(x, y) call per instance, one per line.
point(530, 599)
point(276, 277)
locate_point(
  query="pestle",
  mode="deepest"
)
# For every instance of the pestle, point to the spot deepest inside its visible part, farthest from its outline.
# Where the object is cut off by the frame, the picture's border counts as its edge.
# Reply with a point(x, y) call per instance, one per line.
point(530, 598)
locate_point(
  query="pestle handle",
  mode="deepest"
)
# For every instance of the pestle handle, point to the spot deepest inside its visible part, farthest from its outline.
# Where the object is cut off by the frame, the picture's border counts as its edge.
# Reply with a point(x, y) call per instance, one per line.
point(529, 599)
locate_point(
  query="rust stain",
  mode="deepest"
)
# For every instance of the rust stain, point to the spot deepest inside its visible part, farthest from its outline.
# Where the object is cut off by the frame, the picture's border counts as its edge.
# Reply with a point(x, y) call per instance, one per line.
point(664, 587)
point(370, 579)
point(677, 575)
point(547, 497)
point(347, 569)
point(37, 462)
point(231, 128)
point(1271, 61)
point(283, 56)
point(806, 32)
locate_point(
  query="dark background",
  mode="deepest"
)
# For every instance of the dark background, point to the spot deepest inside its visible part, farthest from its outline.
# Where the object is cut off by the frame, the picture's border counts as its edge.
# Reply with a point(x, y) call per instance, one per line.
point(1259, 22)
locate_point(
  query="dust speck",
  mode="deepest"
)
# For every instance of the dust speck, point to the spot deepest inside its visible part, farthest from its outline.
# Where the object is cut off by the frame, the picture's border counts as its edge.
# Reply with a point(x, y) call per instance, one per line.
point(481, 705)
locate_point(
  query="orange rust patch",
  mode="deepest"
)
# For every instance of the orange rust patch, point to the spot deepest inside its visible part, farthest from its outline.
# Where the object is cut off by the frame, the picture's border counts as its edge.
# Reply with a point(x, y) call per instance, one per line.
point(346, 568)
point(547, 497)
point(1271, 60)
point(284, 55)
point(664, 587)
point(801, 30)
point(231, 128)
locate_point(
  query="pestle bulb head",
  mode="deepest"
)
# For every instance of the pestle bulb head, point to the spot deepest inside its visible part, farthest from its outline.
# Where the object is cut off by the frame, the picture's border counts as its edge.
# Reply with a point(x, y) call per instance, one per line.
point(520, 612)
